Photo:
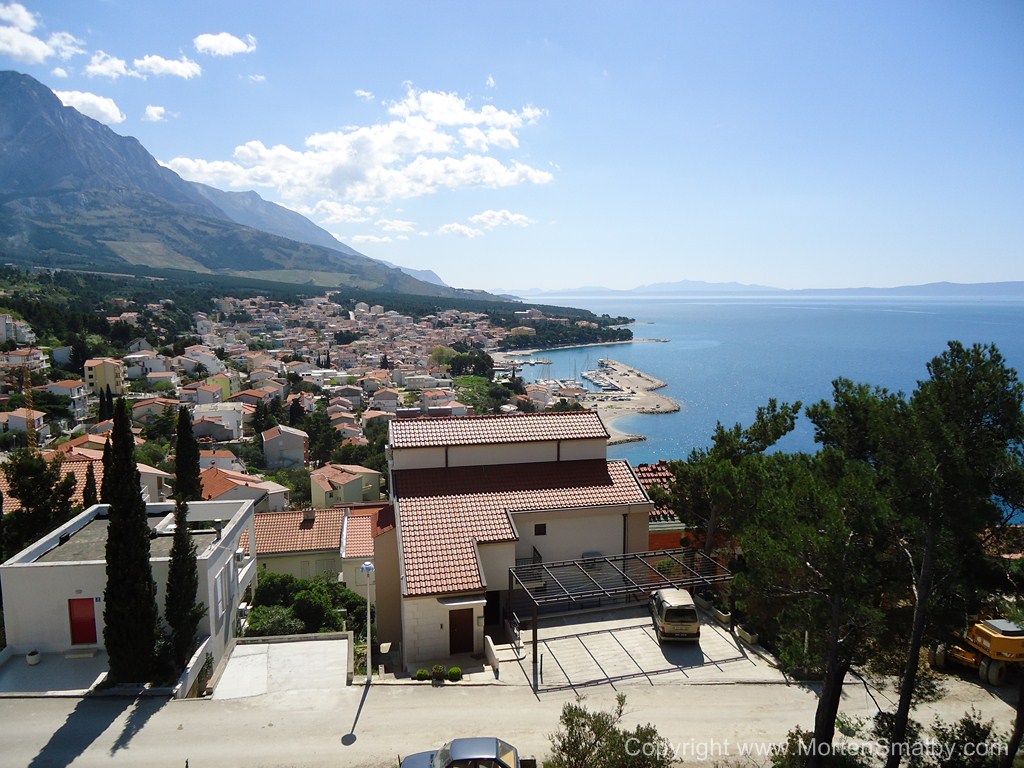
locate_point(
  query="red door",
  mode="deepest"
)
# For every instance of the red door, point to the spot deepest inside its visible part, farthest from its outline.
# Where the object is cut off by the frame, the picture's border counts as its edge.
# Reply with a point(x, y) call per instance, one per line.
point(82, 613)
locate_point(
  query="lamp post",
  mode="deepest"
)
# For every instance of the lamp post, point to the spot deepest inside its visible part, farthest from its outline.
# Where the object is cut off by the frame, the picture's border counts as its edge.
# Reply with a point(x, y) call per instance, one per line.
point(367, 569)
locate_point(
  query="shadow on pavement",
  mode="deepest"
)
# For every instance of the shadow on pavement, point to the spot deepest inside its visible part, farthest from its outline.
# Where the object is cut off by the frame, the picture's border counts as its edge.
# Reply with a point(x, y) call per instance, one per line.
point(84, 724)
point(145, 708)
point(350, 738)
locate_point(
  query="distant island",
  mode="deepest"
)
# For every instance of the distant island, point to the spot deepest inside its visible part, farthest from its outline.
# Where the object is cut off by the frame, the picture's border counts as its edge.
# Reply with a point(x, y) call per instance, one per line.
point(1009, 289)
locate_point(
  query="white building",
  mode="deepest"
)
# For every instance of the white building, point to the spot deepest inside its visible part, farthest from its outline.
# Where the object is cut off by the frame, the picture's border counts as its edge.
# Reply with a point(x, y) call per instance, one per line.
point(53, 590)
point(547, 493)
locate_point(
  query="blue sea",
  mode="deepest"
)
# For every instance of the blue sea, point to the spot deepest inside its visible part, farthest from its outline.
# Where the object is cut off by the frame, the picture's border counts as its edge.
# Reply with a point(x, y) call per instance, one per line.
point(726, 356)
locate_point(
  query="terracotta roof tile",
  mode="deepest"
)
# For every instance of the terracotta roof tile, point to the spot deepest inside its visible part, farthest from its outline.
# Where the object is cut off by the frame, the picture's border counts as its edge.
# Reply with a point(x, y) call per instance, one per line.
point(278, 532)
point(444, 513)
point(657, 476)
point(506, 428)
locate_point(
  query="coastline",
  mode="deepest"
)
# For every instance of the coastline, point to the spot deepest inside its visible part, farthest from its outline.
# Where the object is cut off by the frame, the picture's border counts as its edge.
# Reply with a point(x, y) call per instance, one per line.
point(514, 354)
point(639, 395)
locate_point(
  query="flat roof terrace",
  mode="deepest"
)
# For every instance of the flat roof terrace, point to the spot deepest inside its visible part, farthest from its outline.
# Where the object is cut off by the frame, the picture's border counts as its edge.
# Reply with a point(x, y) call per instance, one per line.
point(89, 543)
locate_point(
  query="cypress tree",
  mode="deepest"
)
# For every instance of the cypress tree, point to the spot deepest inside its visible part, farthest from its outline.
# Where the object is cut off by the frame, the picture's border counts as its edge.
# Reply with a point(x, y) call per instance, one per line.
point(89, 495)
point(107, 474)
point(187, 485)
point(180, 608)
point(129, 600)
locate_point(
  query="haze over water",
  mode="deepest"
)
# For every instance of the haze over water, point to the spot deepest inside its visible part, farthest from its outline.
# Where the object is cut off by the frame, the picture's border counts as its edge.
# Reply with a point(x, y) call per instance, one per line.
point(727, 356)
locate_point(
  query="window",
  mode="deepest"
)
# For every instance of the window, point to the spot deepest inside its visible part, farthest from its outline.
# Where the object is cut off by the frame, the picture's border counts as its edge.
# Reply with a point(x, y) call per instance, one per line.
point(540, 529)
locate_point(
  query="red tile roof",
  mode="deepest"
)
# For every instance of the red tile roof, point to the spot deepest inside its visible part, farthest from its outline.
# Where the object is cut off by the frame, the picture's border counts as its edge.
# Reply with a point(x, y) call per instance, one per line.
point(506, 428)
point(75, 465)
point(444, 513)
point(359, 533)
point(278, 532)
point(657, 476)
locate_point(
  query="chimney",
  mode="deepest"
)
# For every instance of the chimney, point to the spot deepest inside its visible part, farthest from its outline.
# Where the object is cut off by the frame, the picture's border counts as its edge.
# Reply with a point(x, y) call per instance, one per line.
point(309, 515)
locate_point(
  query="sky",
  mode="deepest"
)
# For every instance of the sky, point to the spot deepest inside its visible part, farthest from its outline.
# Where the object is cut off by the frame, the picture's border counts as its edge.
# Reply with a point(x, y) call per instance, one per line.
point(552, 145)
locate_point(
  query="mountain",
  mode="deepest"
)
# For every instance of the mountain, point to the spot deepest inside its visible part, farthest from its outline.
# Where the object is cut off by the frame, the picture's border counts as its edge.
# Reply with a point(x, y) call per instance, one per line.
point(76, 195)
point(1008, 289)
point(252, 210)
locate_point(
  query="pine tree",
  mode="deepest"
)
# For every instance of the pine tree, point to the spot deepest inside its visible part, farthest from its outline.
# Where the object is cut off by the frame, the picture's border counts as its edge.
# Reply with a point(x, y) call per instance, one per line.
point(181, 611)
point(129, 600)
point(89, 495)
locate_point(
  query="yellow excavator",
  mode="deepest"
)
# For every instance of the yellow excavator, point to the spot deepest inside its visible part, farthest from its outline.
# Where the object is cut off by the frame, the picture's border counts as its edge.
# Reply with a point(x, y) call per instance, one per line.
point(991, 646)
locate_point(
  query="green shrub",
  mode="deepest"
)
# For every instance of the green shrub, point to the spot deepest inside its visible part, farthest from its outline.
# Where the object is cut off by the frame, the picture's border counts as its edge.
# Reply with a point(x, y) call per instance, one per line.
point(313, 608)
point(455, 674)
point(438, 672)
point(275, 589)
point(266, 620)
point(422, 674)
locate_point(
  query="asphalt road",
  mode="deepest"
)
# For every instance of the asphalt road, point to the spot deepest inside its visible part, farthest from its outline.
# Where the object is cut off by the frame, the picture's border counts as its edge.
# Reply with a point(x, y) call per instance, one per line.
point(356, 726)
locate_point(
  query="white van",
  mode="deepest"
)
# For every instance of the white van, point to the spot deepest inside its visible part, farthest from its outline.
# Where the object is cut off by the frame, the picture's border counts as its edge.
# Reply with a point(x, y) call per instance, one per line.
point(675, 615)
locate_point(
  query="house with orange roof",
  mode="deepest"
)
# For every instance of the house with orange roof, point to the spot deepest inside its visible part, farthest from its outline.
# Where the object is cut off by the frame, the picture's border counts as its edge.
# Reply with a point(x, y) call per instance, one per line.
point(285, 447)
point(666, 530)
point(220, 458)
point(330, 543)
point(227, 485)
point(24, 419)
point(475, 496)
point(335, 485)
point(103, 372)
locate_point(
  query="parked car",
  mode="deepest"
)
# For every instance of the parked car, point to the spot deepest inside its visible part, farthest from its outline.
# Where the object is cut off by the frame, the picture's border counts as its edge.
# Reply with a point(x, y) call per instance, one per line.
point(480, 752)
point(674, 614)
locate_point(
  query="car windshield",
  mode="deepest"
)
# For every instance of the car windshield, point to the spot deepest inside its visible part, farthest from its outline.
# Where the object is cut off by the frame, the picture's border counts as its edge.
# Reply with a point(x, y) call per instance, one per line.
point(680, 615)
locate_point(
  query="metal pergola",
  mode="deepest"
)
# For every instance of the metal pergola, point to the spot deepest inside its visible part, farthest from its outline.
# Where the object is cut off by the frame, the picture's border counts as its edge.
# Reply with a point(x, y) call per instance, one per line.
point(576, 583)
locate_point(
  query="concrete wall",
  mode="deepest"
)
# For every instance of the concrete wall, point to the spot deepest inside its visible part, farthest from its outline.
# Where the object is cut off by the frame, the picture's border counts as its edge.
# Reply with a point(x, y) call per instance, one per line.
point(425, 629)
point(570, 533)
point(304, 565)
point(511, 453)
point(495, 560)
point(36, 594)
point(388, 591)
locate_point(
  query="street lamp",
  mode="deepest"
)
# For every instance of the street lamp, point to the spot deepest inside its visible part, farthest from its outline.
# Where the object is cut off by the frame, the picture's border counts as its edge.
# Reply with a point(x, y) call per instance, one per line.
point(367, 569)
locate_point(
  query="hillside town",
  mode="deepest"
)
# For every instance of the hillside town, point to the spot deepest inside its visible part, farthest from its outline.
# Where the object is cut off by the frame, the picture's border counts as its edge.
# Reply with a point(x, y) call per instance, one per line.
point(380, 498)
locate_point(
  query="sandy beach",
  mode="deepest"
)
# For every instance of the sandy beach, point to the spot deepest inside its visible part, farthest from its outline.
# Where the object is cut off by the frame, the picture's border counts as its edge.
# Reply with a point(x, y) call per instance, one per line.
point(638, 395)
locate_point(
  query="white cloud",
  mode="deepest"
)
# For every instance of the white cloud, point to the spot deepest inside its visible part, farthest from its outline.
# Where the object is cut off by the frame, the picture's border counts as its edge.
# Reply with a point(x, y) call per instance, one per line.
point(451, 109)
point(157, 65)
point(65, 45)
point(490, 81)
point(491, 219)
point(102, 64)
point(18, 42)
point(364, 95)
point(459, 229)
point(431, 142)
point(257, 78)
point(21, 46)
point(97, 107)
point(370, 239)
point(18, 16)
point(395, 225)
point(224, 44)
point(331, 212)
point(155, 114)
point(59, 72)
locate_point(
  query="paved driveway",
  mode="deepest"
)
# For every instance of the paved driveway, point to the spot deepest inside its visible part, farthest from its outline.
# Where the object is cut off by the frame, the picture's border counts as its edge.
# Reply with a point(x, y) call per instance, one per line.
point(620, 647)
point(283, 669)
